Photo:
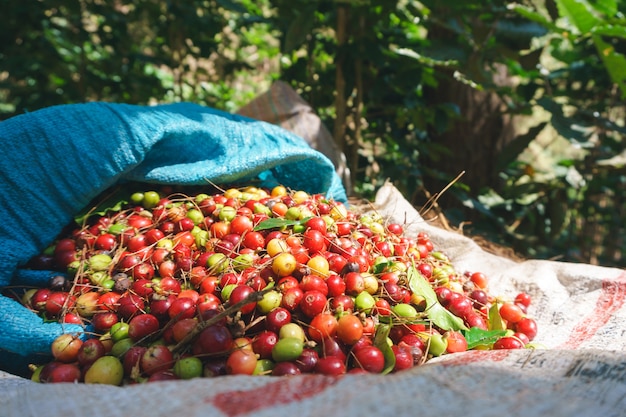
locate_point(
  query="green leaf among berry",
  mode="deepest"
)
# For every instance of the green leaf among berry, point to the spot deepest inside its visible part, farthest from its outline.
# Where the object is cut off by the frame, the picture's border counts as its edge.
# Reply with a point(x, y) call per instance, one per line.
point(380, 341)
point(113, 203)
point(437, 313)
point(478, 337)
point(278, 223)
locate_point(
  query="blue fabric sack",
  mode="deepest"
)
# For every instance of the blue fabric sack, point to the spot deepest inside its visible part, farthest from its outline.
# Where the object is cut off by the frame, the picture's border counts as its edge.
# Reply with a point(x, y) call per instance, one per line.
point(56, 160)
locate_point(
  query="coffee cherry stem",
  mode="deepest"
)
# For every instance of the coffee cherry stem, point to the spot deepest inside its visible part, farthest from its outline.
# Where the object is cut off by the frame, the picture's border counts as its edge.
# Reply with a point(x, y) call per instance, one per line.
point(252, 298)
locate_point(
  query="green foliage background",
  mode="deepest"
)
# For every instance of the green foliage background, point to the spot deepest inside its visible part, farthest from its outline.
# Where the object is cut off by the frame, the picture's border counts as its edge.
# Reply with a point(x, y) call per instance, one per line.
point(527, 99)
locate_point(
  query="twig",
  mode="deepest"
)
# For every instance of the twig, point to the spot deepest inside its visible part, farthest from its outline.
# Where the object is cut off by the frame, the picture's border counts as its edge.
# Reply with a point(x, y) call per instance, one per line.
point(432, 201)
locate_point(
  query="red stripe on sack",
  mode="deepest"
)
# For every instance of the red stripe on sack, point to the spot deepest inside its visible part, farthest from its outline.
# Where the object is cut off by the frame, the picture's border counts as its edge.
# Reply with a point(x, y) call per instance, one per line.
point(611, 299)
point(283, 391)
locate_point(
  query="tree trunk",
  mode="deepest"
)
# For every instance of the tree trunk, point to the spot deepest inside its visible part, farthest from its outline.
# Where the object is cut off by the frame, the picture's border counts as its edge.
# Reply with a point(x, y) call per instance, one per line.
point(473, 141)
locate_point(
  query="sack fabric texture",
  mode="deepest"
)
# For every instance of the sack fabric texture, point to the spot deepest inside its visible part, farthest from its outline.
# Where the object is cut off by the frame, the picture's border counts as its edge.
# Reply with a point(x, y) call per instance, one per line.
point(56, 160)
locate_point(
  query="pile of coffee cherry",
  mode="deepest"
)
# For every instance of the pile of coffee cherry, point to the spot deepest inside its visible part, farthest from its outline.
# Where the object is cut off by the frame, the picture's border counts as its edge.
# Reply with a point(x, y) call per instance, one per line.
point(172, 284)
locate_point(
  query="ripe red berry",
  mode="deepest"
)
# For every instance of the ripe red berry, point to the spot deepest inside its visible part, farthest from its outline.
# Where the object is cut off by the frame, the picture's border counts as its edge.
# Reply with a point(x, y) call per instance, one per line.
point(508, 342)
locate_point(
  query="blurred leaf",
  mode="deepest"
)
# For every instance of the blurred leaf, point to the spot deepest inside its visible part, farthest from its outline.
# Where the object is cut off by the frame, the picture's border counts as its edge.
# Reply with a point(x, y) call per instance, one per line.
point(617, 161)
point(513, 149)
point(607, 7)
point(615, 63)
point(483, 204)
point(610, 30)
point(579, 13)
point(300, 28)
point(237, 7)
point(534, 16)
point(567, 162)
point(490, 198)
point(431, 62)
point(574, 178)
point(562, 124)
point(526, 193)
point(519, 33)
